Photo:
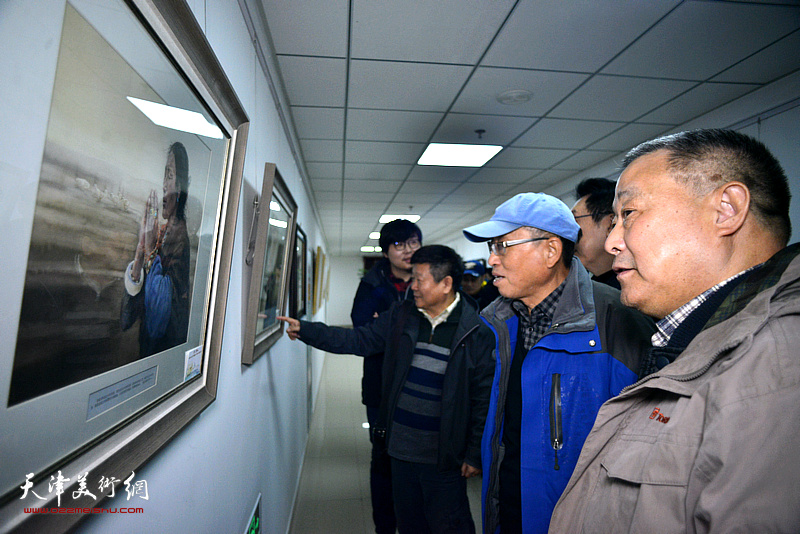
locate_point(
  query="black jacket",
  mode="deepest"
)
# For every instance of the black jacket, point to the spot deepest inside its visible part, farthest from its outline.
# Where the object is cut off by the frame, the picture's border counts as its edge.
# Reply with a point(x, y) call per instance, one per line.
point(467, 380)
point(375, 294)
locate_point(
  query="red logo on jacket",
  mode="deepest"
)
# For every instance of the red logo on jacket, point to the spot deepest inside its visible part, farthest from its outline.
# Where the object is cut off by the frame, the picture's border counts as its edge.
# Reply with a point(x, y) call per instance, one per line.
point(658, 416)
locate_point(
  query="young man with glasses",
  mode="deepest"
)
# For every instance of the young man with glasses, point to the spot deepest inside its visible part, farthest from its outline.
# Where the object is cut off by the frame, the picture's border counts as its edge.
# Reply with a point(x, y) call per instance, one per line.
point(593, 214)
point(565, 345)
point(389, 281)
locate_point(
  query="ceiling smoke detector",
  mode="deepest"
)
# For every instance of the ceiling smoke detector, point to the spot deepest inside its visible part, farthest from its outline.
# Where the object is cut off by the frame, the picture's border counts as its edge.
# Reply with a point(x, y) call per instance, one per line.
point(514, 97)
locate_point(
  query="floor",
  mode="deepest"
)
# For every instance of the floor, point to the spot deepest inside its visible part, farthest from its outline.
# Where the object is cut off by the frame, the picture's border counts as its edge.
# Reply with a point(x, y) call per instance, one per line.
point(334, 486)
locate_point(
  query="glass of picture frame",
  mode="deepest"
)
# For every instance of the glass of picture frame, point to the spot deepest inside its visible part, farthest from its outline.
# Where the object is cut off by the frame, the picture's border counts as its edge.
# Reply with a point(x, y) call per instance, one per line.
point(124, 224)
point(272, 246)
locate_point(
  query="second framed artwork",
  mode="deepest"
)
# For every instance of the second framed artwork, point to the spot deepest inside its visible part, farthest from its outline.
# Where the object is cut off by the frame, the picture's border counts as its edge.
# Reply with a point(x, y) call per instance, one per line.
point(298, 296)
point(271, 250)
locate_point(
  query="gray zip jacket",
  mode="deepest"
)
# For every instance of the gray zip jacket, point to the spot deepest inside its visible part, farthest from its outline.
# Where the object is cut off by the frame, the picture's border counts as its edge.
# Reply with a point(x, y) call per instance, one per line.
point(710, 442)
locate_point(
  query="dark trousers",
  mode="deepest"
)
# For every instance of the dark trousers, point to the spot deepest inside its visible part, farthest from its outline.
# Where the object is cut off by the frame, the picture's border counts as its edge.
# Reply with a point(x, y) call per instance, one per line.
point(429, 502)
point(380, 482)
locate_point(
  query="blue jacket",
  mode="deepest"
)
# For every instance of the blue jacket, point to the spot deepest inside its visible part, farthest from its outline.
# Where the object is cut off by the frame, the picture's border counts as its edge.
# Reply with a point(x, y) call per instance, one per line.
point(591, 351)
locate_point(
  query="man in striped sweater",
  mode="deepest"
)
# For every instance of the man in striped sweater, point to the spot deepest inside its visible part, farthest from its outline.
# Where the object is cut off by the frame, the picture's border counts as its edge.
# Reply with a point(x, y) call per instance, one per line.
point(437, 375)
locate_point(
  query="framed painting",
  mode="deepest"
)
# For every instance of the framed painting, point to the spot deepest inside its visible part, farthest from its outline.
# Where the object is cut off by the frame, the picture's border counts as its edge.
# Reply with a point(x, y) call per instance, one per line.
point(123, 224)
point(319, 272)
point(271, 249)
point(298, 295)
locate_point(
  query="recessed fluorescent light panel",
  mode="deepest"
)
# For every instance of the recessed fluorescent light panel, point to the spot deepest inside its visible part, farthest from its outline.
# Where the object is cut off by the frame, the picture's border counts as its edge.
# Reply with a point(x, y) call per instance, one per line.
point(176, 118)
point(389, 218)
point(368, 248)
point(374, 235)
point(454, 155)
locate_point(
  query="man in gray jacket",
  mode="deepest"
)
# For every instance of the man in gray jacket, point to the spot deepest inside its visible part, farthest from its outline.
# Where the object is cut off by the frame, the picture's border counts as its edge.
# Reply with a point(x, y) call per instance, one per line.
point(707, 442)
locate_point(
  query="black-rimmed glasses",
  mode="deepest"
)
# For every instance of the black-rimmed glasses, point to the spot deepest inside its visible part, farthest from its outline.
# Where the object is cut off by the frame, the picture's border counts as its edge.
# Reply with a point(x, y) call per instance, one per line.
point(498, 248)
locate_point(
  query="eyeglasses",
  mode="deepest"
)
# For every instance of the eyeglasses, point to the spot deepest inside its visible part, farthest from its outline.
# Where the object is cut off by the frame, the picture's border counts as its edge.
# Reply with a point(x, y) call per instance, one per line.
point(582, 216)
point(498, 248)
point(411, 244)
point(601, 214)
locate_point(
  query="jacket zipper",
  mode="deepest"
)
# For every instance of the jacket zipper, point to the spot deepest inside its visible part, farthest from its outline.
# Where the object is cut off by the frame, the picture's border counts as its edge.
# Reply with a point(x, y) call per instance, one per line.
point(556, 435)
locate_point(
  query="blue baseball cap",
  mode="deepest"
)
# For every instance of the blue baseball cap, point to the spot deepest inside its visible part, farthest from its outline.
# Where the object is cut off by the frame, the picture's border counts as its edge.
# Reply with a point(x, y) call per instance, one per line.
point(538, 210)
point(474, 268)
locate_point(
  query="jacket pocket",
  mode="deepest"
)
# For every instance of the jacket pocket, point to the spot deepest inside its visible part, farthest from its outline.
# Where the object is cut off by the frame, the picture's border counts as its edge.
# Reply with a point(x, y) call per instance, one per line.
point(646, 478)
point(556, 428)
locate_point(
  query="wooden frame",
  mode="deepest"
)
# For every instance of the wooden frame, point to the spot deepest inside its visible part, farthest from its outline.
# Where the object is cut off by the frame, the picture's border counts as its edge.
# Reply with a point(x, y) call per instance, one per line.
point(136, 407)
point(271, 249)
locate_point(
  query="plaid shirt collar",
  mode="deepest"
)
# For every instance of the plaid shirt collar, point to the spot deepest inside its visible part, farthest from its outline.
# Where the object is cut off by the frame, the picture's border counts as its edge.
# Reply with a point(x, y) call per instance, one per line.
point(667, 326)
point(534, 323)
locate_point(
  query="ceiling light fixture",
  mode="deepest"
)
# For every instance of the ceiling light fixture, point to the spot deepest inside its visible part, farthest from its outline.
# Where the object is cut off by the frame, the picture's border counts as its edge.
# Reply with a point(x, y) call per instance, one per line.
point(458, 155)
point(367, 249)
point(514, 97)
point(374, 235)
point(176, 118)
point(389, 218)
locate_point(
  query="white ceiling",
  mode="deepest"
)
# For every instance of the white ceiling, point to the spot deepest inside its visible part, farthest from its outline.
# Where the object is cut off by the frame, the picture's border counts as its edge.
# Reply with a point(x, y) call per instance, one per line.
point(369, 83)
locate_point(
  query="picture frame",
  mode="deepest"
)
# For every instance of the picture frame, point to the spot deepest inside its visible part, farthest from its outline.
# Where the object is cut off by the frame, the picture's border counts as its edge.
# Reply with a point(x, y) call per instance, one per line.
point(319, 273)
point(298, 295)
point(272, 250)
point(87, 216)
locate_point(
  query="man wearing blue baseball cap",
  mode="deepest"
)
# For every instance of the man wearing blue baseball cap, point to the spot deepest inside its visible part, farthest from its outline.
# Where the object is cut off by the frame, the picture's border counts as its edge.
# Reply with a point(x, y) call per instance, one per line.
point(565, 345)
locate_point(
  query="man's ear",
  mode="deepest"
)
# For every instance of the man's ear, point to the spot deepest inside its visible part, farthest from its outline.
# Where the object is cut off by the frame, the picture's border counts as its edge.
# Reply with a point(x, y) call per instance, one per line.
point(732, 203)
point(553, 249)
point(448, 283)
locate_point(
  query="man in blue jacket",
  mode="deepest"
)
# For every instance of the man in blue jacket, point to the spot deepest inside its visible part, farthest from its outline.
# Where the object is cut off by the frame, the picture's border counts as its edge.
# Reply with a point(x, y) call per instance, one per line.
point(564, 346)
point(437, 373)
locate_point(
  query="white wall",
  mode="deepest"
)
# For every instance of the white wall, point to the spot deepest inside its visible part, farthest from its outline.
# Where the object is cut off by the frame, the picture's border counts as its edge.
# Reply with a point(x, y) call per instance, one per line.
point(345, 277)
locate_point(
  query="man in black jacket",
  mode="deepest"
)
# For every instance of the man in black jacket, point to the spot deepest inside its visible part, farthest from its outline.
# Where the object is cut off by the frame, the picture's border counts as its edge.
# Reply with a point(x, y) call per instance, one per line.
point(437, 374)
point(387, 282)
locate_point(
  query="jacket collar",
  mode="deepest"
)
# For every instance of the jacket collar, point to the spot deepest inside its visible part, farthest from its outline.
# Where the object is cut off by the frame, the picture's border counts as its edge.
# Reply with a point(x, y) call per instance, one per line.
point(575, 309)
point(743, 313)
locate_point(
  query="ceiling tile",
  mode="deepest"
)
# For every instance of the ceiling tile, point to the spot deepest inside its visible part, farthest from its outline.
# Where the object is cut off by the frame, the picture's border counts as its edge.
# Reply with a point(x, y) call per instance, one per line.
point(318, 123)
point(376, 152)
point(488, 175)
point(497, 130)
point(767, 65)
point(630, 136)
point(529, 158)
point(385, 85)
point(618, 98)
point(698, 101)
point(321, 150)
point(565, 133)
point(585, 159)
point(445, 31)
point(324, 170)
point(326, 184)
point(376, 171)
point(427, 189)
point(381, 125)
point(313, 81)
point(535, 36)
point(370, 186)
point(368, 197)
point(699, 39)
point(310, 27)
point(434, 173)
point(548, 88)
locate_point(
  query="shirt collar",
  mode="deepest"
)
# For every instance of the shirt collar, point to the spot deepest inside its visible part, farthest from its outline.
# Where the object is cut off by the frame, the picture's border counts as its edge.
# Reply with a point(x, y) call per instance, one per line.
point(667, 326)
point(442, 317)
